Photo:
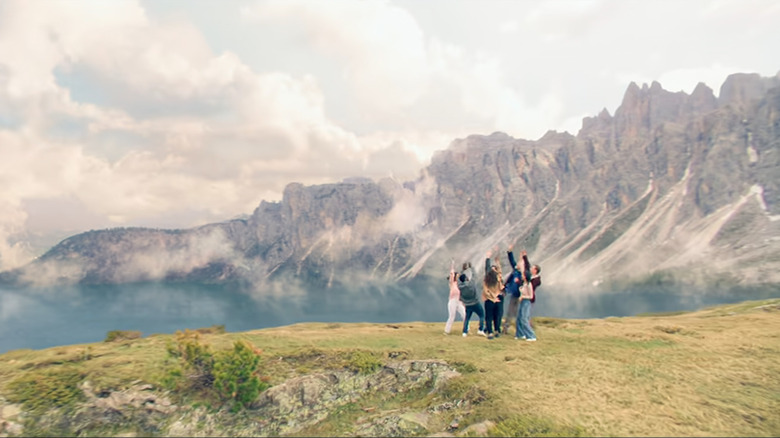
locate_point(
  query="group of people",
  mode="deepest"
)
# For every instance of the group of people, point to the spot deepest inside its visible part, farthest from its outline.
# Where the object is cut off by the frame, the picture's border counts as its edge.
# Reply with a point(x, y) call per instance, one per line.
point(519, 289)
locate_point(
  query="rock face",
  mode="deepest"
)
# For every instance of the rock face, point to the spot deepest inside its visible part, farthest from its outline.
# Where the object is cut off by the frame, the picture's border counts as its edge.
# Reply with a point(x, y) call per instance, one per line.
point(673, 182)
point(287, 408)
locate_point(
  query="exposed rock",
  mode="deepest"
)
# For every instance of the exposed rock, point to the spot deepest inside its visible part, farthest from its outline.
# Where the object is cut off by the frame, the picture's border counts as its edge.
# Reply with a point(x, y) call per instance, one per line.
point(11, 416)
point(741, 88)
point(10, 412)
point(479, 429)
point(140, 396)
point(406, 424)
point(306, 400)
point(283, 409)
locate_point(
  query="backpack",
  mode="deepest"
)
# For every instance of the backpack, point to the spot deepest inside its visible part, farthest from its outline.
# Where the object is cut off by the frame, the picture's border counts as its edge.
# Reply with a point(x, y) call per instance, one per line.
point(468, 293)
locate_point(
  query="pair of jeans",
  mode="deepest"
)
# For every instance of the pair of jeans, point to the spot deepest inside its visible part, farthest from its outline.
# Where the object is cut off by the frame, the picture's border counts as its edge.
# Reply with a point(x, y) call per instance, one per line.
point(492, 317)
point(523, 327)
point(474, 308)
point(454, 306)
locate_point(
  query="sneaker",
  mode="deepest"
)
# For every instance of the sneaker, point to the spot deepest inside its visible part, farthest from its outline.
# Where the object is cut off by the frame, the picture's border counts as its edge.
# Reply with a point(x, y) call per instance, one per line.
point(490, 336)
point(481, 333)
point(531, 340)
point(498, 334)
point(446, 333)
point(465, 334)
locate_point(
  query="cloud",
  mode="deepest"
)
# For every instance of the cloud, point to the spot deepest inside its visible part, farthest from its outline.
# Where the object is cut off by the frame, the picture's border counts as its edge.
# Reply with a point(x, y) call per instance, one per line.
point(398, 74)
point(381, 46)
point(137, 121)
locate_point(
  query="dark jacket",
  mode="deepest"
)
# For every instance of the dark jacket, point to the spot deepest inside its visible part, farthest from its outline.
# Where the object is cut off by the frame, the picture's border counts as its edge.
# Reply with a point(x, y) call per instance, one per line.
point(468, 292)
point(511, 286)
point(536, 281)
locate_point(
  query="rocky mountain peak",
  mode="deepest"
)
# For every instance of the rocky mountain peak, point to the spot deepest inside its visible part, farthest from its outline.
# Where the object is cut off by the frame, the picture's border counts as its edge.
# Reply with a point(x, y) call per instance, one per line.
point(740, 88)
point(702, 100)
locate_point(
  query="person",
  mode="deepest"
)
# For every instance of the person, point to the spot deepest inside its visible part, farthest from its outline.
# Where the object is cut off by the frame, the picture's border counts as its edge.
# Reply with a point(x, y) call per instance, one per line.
point(512, 285)
point(470, 300)
point(527, 297)
point(454, 305)
point(466, 269)
point(492, 287)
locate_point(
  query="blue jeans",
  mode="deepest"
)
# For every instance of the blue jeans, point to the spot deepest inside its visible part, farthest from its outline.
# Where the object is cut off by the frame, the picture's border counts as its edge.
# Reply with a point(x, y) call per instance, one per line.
point(474, 308)
point(523, 327)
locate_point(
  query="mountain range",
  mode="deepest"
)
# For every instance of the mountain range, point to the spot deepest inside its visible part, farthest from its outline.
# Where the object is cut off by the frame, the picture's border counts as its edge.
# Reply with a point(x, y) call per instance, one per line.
point(674, 187)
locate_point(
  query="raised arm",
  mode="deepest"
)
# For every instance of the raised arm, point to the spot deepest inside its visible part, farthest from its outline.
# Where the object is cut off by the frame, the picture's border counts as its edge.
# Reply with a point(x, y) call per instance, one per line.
point(511, 255)
point(452, 271)
point(526, 266)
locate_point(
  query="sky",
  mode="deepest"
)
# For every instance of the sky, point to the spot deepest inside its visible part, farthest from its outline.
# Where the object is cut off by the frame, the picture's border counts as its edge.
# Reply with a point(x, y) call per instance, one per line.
point(177, 113)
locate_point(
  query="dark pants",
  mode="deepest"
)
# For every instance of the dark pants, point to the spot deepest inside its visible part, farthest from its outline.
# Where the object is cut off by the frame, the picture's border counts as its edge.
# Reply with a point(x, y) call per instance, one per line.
point(474, 308)
point(492, 316)
point(500, 313)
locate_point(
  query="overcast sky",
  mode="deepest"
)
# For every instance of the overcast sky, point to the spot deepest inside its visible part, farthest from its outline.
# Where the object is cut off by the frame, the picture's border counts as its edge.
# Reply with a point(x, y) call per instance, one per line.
point(179, 113)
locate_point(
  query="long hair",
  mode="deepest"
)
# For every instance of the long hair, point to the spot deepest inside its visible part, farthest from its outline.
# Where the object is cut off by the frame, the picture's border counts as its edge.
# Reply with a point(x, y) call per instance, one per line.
point(491, 278)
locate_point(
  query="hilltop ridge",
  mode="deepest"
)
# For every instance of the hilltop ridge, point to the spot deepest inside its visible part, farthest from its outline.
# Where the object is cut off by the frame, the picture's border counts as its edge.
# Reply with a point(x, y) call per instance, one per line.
point(711, 372)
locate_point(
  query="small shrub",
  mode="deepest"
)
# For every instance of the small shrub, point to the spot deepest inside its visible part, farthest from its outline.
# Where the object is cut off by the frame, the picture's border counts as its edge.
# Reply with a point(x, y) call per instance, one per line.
point(363, 362)
point(235, 374)
point(464, 367)
point(232, 374)
point(122, 335)
point(41, 391)
point(398, 355)
point(196, 358)
point(463, 388)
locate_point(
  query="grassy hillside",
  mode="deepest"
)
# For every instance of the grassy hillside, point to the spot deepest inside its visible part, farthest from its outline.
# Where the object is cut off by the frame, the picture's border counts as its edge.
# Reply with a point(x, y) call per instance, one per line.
point(714, 372)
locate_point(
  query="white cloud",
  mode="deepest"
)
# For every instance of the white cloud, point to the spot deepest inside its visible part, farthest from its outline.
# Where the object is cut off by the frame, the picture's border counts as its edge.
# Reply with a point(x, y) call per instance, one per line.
point(381, 46)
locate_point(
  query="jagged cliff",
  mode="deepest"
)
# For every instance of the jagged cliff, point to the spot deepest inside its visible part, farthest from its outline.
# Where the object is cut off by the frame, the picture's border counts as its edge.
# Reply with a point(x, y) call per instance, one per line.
point(686, 184)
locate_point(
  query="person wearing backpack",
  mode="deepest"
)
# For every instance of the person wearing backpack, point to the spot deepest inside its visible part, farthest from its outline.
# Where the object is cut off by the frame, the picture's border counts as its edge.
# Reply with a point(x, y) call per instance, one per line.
point(512, 285)
point(527, 297)
point(469, 298)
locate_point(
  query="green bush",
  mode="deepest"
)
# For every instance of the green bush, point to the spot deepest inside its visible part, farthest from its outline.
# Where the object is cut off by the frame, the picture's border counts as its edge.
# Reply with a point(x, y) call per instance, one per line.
point(363, 362)
point(121, 335)
point(41, 391)
point(235, 374)
point(465, 367)
point(196, 358)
